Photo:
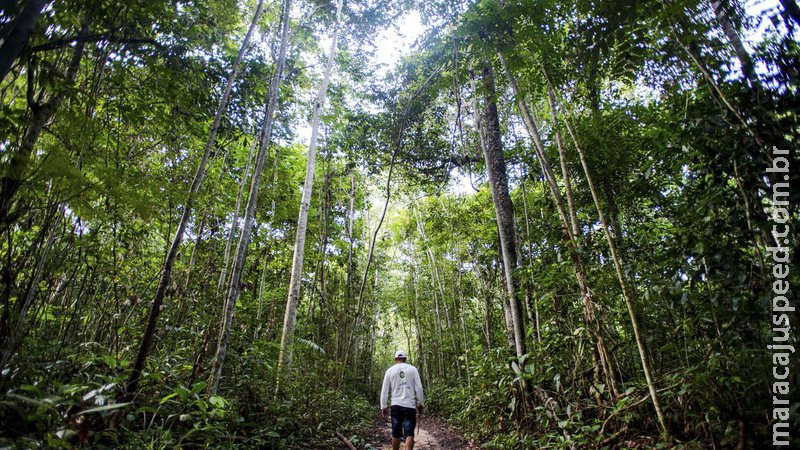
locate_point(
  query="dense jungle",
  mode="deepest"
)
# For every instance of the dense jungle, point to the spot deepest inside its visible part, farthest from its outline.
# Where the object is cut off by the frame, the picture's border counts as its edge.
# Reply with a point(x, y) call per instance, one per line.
point(219, 219)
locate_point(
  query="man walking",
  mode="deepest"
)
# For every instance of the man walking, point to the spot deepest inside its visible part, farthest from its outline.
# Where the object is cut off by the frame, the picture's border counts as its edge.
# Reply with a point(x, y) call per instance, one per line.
point(402, 380)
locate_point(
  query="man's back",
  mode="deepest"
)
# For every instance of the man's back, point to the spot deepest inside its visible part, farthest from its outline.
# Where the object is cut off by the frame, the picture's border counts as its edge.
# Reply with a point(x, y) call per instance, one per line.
point(402, 380)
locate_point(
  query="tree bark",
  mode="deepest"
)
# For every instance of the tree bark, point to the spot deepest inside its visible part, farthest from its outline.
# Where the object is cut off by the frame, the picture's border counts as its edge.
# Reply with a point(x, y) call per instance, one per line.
point(504, 209)
point(290, 316)
point(16, 333)
point(261, 285)
point(728, 27)
point(252, 203)
point(41, 115)
point(464, 336)
point(12, 176)
point(18, 35)
point(627, 293)
point(569, 222)
point(418, 322)
point(562, 156)
point(235, 222)
point(172, 253)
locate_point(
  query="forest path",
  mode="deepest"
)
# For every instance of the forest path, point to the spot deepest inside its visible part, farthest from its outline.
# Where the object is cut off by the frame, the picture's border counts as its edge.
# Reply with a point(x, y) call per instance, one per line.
point(432, 435)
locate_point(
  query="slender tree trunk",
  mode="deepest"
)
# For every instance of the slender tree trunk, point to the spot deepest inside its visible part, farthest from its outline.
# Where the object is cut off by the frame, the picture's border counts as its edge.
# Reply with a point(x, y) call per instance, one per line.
point(372, 342)
point(562, 156)
point(41, 115)
point(627, 293)
point(17, 333)
point(350, 275)
point(235, 222)
point(418, 322)
point(189, 271)
point(350, 237)
point(360, 307)
point(600, 355)
point(533, 310)
point(694, 54)
point(172, 253)
point(262, 283)
point(533, 131)
point(464, 336)
point(324, 213)
point(193, 258)
point(252, 203)
point(197, 367)
point(504, 209)
point(290, 315)
point(531, 303)
point(724, 19)
point(484, 291)
point(435, 275)
point(395, 150)
point(18, 35)
point(437, 320)
point(13, 174)
point(569, 222)
point(75, 307)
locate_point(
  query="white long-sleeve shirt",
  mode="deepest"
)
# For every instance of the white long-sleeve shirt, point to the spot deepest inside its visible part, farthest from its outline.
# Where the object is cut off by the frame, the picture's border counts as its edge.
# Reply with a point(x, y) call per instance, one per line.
point(402, 380)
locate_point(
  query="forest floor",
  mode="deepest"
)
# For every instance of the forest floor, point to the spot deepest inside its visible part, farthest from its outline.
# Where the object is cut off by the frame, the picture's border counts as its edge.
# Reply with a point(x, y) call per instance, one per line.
point(433, 434)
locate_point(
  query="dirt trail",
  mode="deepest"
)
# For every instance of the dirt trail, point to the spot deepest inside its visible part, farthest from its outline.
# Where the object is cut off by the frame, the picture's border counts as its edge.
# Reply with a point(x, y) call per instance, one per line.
point(432, 435)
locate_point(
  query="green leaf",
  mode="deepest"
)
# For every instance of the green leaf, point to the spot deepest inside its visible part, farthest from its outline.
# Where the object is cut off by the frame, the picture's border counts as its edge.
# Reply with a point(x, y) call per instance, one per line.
point(32, 401)
point(167, 397)
point(217, 401)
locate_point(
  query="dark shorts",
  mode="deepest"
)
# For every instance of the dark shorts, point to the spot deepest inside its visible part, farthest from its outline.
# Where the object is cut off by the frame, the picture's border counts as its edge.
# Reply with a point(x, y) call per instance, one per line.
point(404, 420)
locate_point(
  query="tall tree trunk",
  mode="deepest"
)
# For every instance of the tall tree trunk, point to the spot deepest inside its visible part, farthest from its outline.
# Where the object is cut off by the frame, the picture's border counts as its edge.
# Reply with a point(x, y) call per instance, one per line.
point(324, 214)
point(418, 322)
point(351, 194)
point(14, 173)
point(235, 222)
point(627, 293)
point(193, 258)
point(484, 291)
point(16, 333)
point(373, 340)
point(569, 222)
point(348, 303)
point(40, 117)
point(533, 310)
point(562, 157)
point(261, 285)
point(694, 54)
point(728, 27)
point(437, 320)
point(435, 275)
point(19, 33)
point(252, 203)
point(504, 209)
point(290, 315)
point(464, 336)
point(360, 306)
point(172, 253)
